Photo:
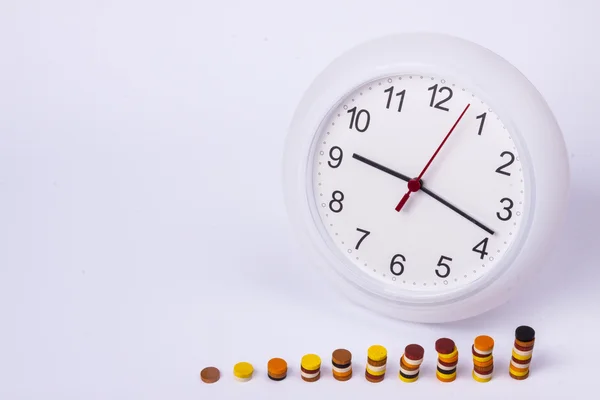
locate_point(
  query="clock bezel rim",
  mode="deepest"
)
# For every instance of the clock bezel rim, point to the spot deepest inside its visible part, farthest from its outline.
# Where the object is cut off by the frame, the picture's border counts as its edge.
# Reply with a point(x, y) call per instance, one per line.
point(385, 63)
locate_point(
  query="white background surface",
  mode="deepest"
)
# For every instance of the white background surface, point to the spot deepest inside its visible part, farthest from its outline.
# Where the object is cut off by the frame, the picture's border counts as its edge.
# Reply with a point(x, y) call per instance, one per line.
point(142, 228)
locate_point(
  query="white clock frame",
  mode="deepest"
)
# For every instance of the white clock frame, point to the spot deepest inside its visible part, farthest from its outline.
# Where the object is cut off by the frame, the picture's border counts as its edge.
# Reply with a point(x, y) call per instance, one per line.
point(525, 114)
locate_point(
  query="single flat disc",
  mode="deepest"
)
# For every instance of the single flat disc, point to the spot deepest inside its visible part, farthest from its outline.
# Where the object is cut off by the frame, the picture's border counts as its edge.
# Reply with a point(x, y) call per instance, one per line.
point(341, 357)
point(444, 346)
point(525, 333)
point(377, 353)
point(243, 370)
point(277, 366)
point(210, 375)
point(311, 362)
point(414, 352)
point(483, 344)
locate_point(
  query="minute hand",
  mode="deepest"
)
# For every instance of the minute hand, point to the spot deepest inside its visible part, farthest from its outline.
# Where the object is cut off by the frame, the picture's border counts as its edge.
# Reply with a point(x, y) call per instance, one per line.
point(423, 188)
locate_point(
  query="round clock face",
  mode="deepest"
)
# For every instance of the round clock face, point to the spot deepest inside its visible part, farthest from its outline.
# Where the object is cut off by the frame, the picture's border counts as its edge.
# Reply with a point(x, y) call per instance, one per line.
point(429, 235)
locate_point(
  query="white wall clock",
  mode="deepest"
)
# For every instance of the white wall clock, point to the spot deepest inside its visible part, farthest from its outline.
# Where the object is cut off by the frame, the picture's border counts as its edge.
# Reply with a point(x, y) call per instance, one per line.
point(426, 175)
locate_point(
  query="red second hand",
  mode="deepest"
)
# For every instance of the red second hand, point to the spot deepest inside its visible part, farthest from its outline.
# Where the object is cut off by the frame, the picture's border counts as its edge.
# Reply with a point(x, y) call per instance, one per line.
point(415, 184)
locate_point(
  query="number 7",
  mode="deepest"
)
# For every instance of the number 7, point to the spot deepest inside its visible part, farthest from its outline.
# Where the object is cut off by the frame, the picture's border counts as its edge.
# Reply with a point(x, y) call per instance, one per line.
point(366, 233)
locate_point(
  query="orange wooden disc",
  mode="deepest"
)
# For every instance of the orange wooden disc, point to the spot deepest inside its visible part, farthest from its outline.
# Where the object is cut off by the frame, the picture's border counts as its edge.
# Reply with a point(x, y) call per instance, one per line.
point(277, 366)
point(525, 344)
point(483, 364)
point(343, 375)
point(517, 370)
point(343, 378)
point(484, 343)
point(408, 367)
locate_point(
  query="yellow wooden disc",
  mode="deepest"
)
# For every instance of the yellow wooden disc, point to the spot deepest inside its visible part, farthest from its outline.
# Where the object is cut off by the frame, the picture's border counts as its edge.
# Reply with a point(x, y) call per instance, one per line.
point(478, 379)
point(444, 357)
point(377, 352)
point(445, 376)
point(311, 362)
point(403, 379)
point(243, 370)
point(515, 373)
point(375, 373)
point(520, 357)
point(483, 359)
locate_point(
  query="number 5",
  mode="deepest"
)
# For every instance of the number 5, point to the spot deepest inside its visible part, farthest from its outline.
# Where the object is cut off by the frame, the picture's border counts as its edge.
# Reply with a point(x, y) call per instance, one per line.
point(442, 264)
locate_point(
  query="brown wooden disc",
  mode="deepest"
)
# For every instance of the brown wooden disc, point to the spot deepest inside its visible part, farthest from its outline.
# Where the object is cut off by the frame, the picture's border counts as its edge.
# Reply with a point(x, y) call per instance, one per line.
point(210, 375)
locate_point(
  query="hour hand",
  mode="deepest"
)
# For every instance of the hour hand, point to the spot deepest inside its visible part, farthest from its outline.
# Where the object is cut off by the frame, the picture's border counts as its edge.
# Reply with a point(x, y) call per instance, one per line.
point(380, 167)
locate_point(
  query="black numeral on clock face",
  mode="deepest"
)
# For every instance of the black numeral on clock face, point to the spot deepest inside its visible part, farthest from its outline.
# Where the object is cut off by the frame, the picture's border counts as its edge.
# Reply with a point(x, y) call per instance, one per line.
point(359, 120)
point(365, 234)
point(445, 270)
point(481, 247)
point(434, 91)
point(396, 266)
point(400, 94)
point(481, 123)
point(507, 209)
point(500, 169)
point(335, 204)
point(336, 154)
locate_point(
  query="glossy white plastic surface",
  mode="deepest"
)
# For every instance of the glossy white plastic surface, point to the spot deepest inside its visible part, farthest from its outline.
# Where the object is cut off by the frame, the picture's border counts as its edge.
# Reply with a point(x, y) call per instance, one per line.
point(518, 103)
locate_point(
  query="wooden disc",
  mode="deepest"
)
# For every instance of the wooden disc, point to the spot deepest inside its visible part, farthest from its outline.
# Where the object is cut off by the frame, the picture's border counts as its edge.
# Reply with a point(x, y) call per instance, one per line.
point(210, 375)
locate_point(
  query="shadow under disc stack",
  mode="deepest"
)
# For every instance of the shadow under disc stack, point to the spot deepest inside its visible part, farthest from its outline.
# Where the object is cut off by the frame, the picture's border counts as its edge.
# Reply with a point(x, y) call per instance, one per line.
point(522, 352)
point(447, 360)
point(376, 363)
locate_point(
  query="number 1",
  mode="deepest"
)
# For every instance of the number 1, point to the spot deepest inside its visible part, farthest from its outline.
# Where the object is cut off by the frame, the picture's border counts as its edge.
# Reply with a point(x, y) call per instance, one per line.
point(482, 118)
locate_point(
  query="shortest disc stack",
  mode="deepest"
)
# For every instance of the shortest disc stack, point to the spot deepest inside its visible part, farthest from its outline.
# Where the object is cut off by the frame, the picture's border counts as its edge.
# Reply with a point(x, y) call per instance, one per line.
point(410, 363)
point(447, 360)
point(210, 375)
point(310, 368)
point(341, 364)
point(376, 363)
point(522, 352)
point(243, 371)
point(483, 359)
point(277, 369)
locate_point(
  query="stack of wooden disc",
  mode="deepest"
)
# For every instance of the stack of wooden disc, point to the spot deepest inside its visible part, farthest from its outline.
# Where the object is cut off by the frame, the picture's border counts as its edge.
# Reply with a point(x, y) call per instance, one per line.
point(447, 360)
point(483, 359)
point(410, 363)
point(277, 369)
point(310, 368)
point(522, 352)
point(341, 360)
point(376, 363)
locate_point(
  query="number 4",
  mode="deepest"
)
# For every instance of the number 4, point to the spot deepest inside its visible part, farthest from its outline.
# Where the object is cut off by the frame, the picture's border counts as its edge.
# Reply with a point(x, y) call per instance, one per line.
point(483, 245)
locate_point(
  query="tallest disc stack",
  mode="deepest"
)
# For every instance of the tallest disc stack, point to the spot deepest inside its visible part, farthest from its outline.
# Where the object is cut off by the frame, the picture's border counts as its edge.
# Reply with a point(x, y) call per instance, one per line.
point(522, 352)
